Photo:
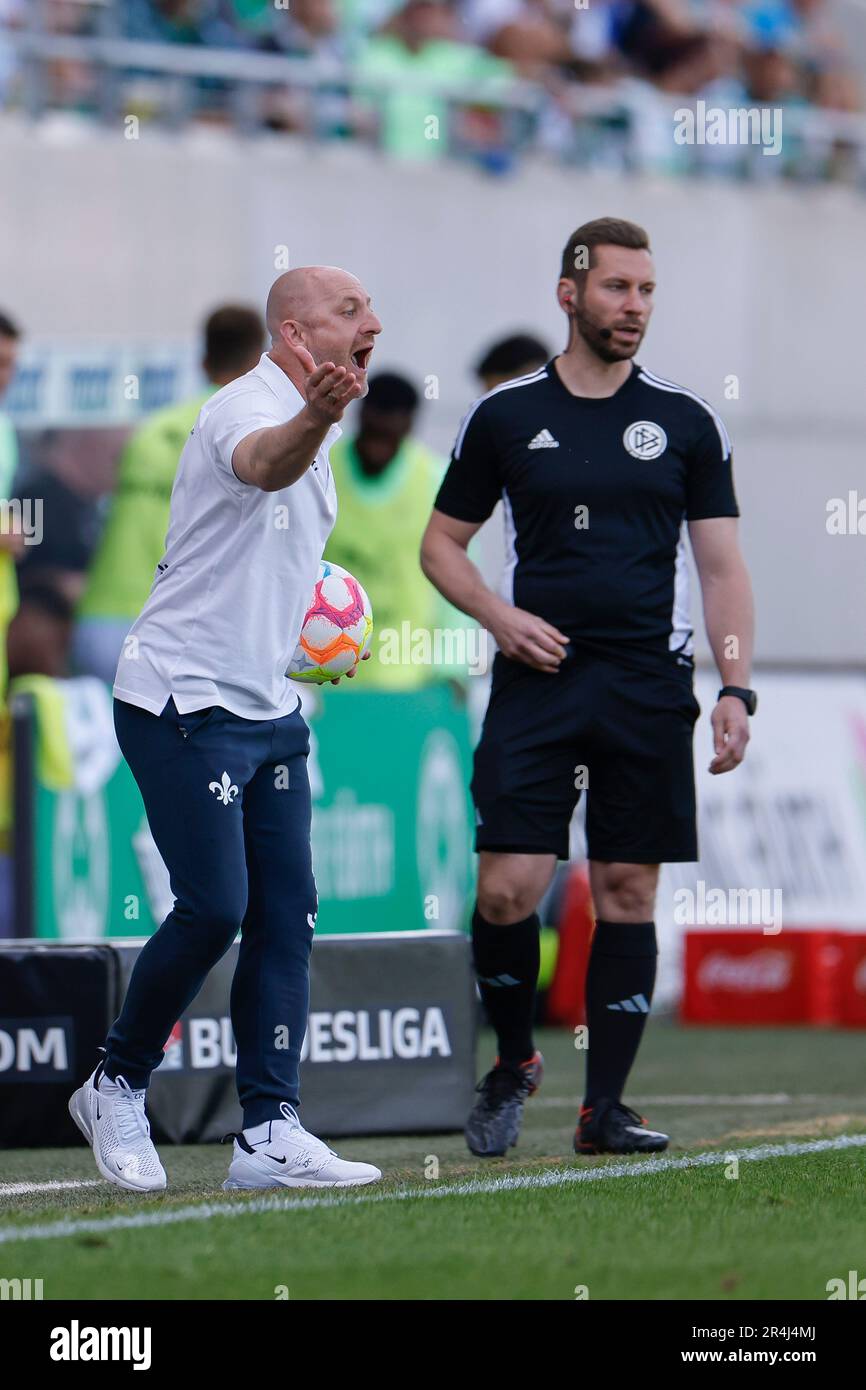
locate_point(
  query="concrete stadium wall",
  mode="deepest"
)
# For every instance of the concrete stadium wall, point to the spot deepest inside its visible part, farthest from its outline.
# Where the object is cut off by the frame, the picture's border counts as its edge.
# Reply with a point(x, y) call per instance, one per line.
point(104, 237)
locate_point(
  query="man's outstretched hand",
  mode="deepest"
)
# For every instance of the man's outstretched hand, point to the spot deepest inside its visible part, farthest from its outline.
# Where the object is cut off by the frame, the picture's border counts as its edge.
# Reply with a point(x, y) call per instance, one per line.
point(329, 388)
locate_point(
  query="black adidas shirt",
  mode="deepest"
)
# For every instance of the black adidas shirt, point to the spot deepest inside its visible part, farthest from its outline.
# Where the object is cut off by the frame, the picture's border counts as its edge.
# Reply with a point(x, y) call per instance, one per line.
point(595, 493)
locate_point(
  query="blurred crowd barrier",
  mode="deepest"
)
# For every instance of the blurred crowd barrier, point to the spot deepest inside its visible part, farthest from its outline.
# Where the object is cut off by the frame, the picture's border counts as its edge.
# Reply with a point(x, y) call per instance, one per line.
point(587, 83)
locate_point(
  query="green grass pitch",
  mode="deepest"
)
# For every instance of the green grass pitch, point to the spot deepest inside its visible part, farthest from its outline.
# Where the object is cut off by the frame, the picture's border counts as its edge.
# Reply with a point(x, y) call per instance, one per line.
point(777, 1227)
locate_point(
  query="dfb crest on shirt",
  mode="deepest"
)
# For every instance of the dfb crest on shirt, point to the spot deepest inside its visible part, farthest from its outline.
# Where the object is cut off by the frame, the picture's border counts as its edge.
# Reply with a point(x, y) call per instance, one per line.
point(645, 440)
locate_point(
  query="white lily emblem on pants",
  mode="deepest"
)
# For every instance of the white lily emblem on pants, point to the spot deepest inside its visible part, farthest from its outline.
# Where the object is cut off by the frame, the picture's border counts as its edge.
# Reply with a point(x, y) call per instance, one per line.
point(225, 789)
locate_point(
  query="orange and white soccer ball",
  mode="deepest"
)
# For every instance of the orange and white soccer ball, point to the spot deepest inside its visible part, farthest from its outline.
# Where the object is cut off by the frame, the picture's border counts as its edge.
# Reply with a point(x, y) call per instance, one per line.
point(337, 628)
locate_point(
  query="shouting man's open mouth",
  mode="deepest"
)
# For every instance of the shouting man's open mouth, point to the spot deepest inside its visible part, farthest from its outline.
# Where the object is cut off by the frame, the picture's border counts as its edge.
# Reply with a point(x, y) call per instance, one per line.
point(361, 357)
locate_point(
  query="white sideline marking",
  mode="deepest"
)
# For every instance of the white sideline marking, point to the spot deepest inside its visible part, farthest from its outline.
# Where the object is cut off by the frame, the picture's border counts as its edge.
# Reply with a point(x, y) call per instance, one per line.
point(755, 1098)
point(21, 1189)
point(474, 1187)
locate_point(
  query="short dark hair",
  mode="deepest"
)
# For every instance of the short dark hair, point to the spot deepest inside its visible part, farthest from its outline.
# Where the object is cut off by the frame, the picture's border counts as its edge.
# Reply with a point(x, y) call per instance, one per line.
point(509, 354)
point(47, 595)
point(389, 391)
point(8, 327)
point(232, 333)
point(604, 231)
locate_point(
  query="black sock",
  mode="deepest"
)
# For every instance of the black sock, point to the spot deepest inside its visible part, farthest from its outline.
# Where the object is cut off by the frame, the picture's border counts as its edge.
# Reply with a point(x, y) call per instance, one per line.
point(619, 991)
point(506, 963)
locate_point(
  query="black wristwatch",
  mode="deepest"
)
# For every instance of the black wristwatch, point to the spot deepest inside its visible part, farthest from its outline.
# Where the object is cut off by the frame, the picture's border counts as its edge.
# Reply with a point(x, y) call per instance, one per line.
point(748, 697)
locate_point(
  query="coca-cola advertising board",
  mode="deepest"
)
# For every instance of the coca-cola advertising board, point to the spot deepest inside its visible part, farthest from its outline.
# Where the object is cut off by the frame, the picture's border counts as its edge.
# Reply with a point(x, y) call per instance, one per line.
point(746, 977)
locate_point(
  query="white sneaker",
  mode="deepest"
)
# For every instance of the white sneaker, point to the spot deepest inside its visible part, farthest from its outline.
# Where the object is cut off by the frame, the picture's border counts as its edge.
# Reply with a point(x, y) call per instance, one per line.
point(280, 1153)
point(111, 1117)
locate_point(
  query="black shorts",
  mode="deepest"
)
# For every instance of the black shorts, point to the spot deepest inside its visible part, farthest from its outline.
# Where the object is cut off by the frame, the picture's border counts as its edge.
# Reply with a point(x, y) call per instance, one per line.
point(622, 731)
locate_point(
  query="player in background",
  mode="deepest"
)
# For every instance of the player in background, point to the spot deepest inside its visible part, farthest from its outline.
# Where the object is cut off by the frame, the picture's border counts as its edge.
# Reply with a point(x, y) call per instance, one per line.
point(387, 480)
point(602, 466)
point(507, 358)
point(212, 730)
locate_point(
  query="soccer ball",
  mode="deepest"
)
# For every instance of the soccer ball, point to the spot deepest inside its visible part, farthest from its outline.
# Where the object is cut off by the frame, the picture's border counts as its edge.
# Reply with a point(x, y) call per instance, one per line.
point(337, 628)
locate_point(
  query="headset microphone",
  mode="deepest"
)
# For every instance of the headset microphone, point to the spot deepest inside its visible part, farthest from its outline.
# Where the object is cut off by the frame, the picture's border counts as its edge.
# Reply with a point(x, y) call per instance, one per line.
point(602, 332)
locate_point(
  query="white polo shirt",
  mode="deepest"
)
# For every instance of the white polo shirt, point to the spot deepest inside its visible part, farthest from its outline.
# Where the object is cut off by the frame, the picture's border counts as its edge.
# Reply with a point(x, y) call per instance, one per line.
point(222, 620)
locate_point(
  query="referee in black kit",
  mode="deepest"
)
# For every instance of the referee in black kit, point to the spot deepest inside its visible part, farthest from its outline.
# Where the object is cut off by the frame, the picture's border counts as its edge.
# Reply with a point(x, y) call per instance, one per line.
point(600, 465)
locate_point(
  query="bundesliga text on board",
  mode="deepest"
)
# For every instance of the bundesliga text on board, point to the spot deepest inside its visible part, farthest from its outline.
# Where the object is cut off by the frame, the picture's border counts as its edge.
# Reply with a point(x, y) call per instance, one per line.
point(402, 1034)
point(42, 1049)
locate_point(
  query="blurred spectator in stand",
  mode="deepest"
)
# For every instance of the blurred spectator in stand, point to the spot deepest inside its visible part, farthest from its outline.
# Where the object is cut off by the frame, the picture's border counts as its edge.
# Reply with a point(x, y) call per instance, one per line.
point(511, 357)
point(253, 19)
point(70, 83)
point(771, 76)
point(422, 45)
point(11, 18)
point(179, 21)
point(525, 32)
point(830, 81)
point(592, 39)
point(133, 540)
point(801, 34)
point(386, 484)
point(541, 37)
point(194, 22)
point(833, 86)
point(665, 42)
point(311, 29)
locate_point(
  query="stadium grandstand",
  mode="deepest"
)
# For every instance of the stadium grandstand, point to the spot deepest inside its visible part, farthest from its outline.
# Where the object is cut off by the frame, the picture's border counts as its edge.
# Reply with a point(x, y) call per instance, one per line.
point(590, 85)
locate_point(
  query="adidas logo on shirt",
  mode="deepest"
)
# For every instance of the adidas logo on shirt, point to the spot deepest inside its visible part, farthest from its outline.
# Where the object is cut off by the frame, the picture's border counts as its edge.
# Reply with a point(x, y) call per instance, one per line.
point(543, 440)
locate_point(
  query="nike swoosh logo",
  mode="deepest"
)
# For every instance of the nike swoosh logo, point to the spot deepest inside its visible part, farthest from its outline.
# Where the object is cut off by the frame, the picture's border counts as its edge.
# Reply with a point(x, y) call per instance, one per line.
point(274, 1158)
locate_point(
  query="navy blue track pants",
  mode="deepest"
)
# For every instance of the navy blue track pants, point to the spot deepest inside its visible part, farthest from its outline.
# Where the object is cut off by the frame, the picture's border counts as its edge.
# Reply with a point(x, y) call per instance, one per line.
point(228, 803)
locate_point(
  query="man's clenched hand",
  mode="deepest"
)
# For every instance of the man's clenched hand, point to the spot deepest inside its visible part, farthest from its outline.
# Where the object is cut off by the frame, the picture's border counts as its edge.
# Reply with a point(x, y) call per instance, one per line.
point(730, 721)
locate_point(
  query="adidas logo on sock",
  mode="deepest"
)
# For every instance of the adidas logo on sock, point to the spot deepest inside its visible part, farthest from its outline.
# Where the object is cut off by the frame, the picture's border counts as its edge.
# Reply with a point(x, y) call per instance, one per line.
point(543, 440)
point(637, 1004)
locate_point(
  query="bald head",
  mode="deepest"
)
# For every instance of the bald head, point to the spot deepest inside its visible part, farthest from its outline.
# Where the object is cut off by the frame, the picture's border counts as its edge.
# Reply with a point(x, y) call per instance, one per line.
point(297, 293)
point(318, 314)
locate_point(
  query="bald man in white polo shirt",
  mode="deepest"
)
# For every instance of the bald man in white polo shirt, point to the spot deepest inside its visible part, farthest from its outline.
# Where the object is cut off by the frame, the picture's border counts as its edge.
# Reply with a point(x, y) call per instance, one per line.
point(212, 730)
